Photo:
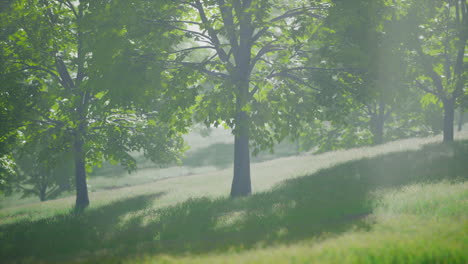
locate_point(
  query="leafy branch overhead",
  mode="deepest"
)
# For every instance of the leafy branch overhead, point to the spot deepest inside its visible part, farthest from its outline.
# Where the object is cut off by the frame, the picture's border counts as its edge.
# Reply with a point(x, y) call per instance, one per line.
point(95, 89)
point(218, 36)
point(242, 51)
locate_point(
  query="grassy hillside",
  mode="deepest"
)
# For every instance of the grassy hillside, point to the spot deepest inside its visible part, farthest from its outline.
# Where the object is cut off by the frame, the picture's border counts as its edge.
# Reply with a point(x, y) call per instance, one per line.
point(208, 154)
point(399, 202)
point(420, 223)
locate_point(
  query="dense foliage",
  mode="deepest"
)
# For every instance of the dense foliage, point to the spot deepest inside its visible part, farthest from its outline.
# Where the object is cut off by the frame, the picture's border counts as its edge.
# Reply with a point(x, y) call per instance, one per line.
point(101, 91)
point(83, 82)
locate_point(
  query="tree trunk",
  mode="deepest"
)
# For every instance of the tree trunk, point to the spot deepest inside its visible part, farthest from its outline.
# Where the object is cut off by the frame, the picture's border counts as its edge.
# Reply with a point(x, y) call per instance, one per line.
point(377, 124)
point(449, 112)
point(460, 120)
point(82, 200)
point(42, 192)
point(378, 129)
point(64, 183)
point(241, 184)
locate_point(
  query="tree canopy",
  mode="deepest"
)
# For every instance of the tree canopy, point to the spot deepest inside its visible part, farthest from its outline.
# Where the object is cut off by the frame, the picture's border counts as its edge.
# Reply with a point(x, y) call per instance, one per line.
point(83, 82)
point(101, 92)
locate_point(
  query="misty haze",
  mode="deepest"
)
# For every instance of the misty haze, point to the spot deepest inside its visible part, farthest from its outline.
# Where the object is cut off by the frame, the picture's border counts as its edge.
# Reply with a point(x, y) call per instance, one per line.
point(233, 131)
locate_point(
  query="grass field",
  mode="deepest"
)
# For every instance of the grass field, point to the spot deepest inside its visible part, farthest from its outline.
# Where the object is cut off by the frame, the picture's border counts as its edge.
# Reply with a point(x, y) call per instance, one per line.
point(402, 202)
point(207, 154)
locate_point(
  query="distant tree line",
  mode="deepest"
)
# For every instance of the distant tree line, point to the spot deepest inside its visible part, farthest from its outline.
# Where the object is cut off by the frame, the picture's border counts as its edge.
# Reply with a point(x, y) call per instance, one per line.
point(88, 81)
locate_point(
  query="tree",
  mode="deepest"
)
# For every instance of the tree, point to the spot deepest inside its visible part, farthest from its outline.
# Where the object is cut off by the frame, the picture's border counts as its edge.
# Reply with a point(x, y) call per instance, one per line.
point(16, 100)
point(97, 87)
point(364, 35)
point(249, 45)
point(435, 37)
point(43, 167)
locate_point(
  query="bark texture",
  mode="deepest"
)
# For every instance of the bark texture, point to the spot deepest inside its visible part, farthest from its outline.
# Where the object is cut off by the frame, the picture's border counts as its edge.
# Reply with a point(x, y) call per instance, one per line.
point(241, 184)
point(82, 199)
point(449, 113)
point(460, 121)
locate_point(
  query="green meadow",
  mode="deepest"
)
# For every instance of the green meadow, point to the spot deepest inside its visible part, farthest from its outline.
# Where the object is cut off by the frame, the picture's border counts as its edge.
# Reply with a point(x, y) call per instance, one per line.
point(402, 202)
point(233, 131)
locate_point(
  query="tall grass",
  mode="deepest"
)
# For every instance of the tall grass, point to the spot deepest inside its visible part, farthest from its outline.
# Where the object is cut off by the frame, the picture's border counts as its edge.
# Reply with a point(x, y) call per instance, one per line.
point(311, 213)
point(407, 226)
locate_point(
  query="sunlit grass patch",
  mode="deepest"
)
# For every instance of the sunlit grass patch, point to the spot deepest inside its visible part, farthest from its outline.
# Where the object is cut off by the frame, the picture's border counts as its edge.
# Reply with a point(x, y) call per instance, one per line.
point(216, 183)
point(427, 200)
point(353, 207)
point(401, 233)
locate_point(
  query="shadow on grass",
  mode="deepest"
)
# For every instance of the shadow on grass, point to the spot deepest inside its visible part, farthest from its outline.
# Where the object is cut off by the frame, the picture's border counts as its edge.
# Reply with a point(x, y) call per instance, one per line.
point(221, 155)
point(67, 234)
point(329, 201)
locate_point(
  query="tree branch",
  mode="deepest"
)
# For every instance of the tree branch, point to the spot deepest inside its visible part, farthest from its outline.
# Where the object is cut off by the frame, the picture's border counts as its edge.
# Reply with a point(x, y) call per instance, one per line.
point(367, 109)
point(389, 112)
point(254, 90)
point(299, 11)
point(200, 67)
point(48, 121)
point(192, 48)
point(49, 71)
point(188, 3)
point(228, 19)
point(211, 32)
point(287, 14)
point(174, 21)
point(427, 90)
point(269, 47)
point(321, 69)
point(67, 81)
point(459, 64)
point(427, 65)
point(182, 29)
point(69, 5)
point(294, 78)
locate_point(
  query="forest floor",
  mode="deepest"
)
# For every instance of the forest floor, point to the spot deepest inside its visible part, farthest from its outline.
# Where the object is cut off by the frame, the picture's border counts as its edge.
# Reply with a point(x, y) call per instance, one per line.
point(402, 202)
